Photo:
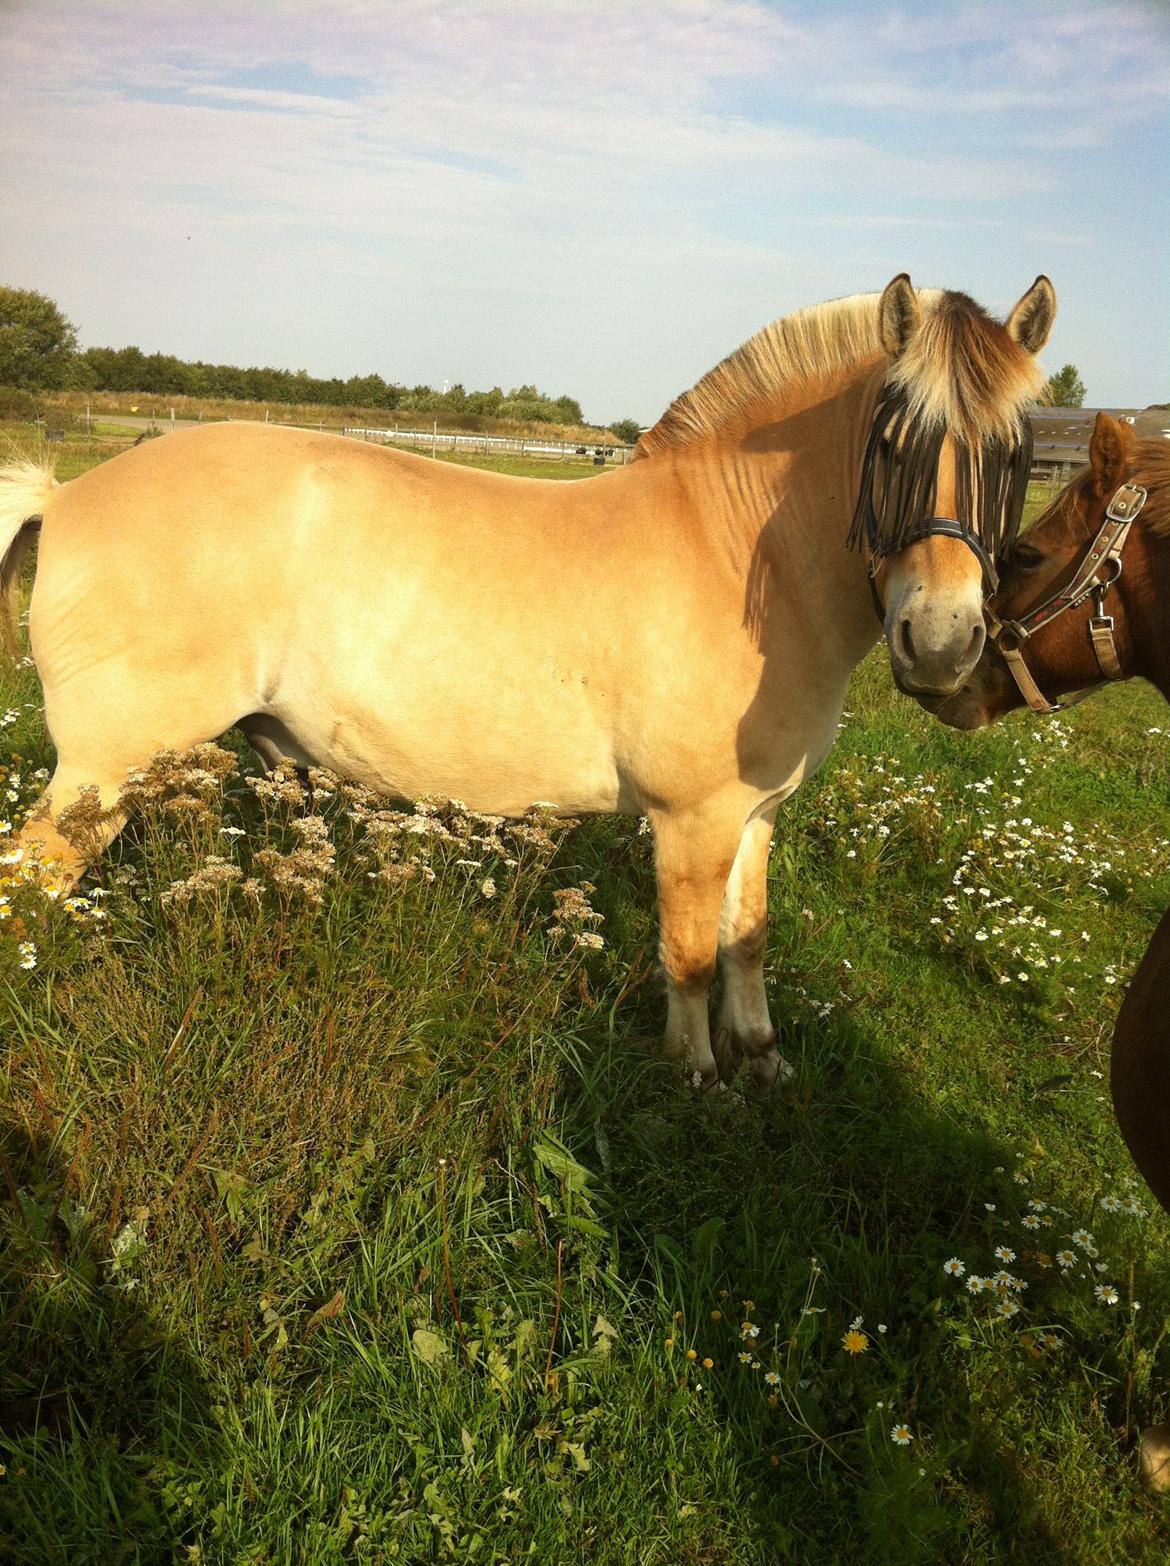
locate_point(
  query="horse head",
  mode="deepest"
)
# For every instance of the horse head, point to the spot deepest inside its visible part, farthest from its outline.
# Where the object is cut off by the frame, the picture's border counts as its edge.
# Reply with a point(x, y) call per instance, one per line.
point(945, 473)
point(1078, 603)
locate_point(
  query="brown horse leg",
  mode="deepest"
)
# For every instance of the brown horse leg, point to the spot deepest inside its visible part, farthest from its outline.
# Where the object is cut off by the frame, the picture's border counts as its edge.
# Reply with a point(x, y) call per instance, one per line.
point(693, 857)
point(745, 1026)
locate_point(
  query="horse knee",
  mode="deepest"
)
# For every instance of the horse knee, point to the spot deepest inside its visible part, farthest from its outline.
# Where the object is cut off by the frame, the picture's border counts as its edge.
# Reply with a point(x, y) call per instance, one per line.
point(690, 972)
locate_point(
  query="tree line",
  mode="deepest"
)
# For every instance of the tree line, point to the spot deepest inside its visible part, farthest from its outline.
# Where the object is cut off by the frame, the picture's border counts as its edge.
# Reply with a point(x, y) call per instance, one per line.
point(39, 352)
point(130, 370)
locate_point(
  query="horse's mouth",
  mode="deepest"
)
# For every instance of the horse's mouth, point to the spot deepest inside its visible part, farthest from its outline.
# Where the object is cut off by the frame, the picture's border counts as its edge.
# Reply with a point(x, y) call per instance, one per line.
point(931, 701)
point(924, 695)
point(958, 709)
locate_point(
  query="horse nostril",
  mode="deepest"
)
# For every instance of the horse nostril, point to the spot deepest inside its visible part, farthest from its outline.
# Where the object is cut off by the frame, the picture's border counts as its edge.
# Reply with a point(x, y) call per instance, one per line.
point(978, 637)
point(906, 641)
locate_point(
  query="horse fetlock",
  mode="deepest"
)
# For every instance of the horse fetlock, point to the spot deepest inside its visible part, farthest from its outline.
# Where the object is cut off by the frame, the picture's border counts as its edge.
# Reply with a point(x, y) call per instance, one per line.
point(728, 1053)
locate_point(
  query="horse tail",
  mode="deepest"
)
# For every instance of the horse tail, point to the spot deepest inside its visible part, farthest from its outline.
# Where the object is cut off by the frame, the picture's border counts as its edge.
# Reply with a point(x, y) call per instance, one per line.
point(24, 489)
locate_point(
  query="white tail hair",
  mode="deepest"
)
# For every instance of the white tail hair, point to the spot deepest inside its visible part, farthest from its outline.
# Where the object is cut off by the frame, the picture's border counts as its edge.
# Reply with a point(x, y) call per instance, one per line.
point(24, 489)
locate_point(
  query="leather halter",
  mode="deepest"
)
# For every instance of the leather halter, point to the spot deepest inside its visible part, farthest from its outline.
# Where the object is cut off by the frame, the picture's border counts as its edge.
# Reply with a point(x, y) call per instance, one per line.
point(1098, 569)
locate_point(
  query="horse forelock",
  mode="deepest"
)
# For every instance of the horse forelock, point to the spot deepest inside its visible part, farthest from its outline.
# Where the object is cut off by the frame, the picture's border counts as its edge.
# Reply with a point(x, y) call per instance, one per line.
point(961, 369)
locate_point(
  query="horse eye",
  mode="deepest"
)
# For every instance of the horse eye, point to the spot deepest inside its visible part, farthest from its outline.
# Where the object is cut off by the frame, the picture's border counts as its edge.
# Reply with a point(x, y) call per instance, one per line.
point(1026, 558)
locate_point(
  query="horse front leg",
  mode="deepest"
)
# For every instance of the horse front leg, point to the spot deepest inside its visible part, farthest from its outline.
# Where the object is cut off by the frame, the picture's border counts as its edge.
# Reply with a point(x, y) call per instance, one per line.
point(745, 1026)
point(693, 856)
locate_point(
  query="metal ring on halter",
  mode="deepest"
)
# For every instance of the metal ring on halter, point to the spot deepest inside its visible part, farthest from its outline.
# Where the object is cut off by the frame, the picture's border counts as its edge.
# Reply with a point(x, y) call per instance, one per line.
point(1113, 565)
point(1008, 639)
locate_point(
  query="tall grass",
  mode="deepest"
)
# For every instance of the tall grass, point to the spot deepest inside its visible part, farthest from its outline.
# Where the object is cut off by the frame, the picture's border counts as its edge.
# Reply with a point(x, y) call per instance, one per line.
point(348, 1213)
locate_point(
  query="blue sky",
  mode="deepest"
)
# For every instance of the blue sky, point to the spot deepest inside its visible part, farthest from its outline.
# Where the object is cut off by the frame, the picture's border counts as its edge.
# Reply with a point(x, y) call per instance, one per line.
point(603, 199)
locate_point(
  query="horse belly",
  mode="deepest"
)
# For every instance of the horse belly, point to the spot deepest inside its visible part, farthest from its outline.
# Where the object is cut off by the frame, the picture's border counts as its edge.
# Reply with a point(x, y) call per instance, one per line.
point(405, 727)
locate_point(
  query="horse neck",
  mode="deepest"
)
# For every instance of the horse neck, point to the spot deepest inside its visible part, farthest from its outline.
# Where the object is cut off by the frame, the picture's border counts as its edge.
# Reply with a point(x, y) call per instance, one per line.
point(776, 493)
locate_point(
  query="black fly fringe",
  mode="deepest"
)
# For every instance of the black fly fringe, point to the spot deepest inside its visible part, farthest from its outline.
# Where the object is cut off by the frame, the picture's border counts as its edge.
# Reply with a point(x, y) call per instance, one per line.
point(899, 482)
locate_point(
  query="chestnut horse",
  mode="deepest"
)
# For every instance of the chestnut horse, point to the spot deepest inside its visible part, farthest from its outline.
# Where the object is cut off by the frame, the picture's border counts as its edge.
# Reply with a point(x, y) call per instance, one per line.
point(1085, 621)
point(673, 638)
point(1086, 599)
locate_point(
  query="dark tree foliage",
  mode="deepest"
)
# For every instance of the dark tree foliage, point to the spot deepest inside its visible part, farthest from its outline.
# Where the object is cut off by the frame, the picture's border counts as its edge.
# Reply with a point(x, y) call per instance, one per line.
point(37, 344)
point(627, 431)
point(1065, 389)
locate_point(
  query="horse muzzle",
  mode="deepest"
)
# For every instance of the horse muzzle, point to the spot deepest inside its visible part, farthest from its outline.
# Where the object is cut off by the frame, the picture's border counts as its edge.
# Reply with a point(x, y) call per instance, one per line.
point(933, 650)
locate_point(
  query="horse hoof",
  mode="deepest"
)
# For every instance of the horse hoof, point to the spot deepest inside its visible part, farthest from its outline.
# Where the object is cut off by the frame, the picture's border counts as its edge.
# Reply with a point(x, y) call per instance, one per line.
point(1154, 1458)
point(770, 1068)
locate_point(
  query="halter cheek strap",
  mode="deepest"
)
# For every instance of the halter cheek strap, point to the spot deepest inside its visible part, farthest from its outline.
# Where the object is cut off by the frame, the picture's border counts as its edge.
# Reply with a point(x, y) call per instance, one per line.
point(1099, 568)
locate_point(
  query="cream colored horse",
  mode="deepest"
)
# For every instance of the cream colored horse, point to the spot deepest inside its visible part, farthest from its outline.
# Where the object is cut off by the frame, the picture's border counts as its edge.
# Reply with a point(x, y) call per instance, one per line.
point(673, 638)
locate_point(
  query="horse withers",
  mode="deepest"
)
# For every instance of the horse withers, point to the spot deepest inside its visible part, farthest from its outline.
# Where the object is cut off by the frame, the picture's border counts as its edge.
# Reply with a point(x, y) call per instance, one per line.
point(672, 639)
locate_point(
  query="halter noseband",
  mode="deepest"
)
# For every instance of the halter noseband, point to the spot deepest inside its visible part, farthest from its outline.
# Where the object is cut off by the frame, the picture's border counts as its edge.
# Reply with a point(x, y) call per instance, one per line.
point(942, 527)
point(1099, 568)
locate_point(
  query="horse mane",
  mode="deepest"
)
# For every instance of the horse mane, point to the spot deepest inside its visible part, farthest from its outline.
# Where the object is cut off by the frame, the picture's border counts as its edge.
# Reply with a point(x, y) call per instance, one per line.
point(1151, 469)
point(960, 370)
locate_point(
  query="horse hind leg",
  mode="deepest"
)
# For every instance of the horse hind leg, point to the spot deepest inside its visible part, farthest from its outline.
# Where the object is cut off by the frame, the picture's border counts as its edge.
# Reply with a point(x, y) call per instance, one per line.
point(70, 825)
point(106, 721)
point(273, 742)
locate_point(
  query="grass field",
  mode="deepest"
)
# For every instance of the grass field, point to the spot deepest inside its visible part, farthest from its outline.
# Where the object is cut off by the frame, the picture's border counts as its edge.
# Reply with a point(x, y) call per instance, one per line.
point(347, 1213)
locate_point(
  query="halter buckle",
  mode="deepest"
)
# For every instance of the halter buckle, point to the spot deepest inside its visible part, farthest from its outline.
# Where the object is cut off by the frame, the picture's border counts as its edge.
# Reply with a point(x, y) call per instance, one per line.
point(1126, 503)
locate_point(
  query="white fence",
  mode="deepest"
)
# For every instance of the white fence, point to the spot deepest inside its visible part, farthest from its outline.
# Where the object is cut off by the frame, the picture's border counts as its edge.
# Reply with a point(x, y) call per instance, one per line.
point(436, 439)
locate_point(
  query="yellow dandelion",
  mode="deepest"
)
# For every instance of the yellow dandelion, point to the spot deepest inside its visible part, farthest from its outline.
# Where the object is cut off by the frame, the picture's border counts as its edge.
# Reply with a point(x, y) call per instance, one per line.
point(854, 1342)
point(708, 1364)
point(691, 1354)
point(669, 1343)
point(716, 1315)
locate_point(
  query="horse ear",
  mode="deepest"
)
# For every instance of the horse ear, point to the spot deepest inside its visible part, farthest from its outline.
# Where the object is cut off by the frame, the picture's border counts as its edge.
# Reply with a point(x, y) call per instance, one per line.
point(1110, 451)
point(898, 314)
point(1031, 320)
